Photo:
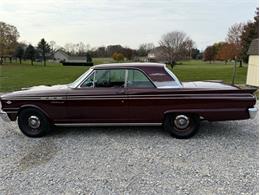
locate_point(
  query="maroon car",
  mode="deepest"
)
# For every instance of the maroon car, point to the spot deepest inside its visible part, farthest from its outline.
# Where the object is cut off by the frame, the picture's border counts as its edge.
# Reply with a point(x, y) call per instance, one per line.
point(127, 94)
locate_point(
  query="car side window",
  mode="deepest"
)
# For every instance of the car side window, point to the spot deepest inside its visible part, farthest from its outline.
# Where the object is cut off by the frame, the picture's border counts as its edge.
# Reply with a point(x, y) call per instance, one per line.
point(113, 78)
point(89, 82)
point(137, 79)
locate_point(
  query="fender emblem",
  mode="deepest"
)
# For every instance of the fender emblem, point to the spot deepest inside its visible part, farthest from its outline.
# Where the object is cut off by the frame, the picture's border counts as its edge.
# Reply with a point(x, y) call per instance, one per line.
point(9, 102)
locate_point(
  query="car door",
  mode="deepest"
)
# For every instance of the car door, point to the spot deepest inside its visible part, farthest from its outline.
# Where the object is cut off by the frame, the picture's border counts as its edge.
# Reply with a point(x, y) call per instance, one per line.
point(101, 98)
point(142, 102)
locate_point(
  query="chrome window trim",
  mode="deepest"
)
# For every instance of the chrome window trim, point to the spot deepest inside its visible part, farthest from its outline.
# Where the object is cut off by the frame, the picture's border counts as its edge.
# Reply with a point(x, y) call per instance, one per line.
point(83, 79)
point(173, 76)
point(126, 76)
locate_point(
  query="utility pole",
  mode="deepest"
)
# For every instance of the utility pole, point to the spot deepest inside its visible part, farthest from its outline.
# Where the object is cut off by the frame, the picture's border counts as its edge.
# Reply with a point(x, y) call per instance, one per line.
point(234, 71)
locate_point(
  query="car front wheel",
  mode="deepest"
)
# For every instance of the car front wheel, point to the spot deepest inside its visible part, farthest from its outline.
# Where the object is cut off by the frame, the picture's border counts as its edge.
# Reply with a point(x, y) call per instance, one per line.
point(182, 126)
point(33, 123)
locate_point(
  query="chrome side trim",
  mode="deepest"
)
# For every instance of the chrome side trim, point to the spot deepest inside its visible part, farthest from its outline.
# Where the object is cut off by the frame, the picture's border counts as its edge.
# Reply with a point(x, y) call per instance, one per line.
point(137, 96)
point(106, 124)
point(140, 98)
point(252, 112)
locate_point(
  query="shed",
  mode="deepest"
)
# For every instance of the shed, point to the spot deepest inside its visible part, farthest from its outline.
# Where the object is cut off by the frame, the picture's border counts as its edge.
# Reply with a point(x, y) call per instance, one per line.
point(253, 64)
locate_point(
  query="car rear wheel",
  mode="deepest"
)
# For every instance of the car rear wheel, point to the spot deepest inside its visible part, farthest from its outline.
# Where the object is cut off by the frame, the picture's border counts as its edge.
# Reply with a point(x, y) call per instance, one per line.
point(33, 123)
point(182, 126)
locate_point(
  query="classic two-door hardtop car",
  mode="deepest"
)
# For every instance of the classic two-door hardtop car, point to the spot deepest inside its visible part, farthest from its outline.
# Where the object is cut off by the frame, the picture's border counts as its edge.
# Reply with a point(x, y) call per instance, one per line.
point(127, 94)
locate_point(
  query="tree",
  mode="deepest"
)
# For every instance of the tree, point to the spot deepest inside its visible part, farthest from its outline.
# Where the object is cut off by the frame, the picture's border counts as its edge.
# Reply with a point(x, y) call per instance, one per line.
point(111, 49)
point(69, 48)
point(234, 39)
point(209, 54)
point(250, 32)
point(118, 56)
point(8, 39)
point(227, 52)
point(145, 48)
point(89, 58)
point(188, 46)
point(44, 48)
point(19, 52)
point(216, 47)
point(52, 46)
point(101, 52)
point(175, 45)
point(128, 53)
point(195, 53)
point(30, 53)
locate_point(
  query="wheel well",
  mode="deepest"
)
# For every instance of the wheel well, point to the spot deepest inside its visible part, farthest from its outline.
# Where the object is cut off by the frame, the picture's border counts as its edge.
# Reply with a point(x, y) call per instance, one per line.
point(179, 113)
point(35, 108)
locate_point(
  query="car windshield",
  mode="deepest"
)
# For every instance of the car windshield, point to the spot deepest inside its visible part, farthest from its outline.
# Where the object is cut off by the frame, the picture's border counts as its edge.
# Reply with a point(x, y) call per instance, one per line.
point(78, 80)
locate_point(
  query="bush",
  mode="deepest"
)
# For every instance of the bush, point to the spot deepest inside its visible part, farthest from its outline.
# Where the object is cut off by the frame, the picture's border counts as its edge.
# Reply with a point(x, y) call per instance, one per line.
point(118, 56)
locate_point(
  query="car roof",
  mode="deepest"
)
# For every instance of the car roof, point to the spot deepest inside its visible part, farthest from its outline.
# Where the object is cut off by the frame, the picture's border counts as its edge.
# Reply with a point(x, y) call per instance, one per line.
point(133, 64)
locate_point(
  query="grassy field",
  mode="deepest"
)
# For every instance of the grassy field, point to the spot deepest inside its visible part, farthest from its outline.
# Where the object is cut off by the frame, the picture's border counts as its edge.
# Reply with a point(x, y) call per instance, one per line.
point(15, 76)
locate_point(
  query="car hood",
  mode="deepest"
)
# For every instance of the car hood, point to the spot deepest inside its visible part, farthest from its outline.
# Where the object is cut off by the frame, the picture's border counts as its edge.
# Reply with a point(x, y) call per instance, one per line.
point(45, 87)
point(41, 90)
point(208, 85)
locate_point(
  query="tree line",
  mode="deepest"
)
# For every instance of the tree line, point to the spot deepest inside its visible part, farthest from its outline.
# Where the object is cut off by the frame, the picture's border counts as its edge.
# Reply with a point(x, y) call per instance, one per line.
point(31, 53)
point(174, 46)
point(237, 42)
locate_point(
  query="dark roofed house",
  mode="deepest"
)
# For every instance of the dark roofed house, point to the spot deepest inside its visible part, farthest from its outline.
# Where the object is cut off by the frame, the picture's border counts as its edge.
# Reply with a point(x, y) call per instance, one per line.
point(66, 59)
point(253, 64)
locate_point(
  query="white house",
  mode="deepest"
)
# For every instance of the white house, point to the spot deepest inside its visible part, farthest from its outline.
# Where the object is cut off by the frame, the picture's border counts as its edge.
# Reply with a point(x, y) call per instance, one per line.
point(253, 64)
point(157, 55)
point(62, 56)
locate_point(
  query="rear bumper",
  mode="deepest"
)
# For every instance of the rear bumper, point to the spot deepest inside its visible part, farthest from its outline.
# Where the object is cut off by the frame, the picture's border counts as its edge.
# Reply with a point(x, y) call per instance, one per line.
point(4, 116)
point(252, 112)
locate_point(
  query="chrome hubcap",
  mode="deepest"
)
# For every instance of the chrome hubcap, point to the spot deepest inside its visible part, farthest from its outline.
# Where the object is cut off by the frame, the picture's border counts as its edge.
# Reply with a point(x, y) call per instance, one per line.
point(181, 121)
point(34, 122)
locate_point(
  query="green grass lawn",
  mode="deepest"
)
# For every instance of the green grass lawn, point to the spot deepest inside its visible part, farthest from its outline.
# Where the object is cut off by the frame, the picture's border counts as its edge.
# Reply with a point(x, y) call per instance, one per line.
point(15, 76)
point(195, 70)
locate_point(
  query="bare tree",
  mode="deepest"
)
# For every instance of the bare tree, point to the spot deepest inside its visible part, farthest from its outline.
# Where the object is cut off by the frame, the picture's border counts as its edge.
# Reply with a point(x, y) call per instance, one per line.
point(234, 38)
point(234, 33)
point(175, 45)
point(188, 46)
point(70, 48)
point(52, 46)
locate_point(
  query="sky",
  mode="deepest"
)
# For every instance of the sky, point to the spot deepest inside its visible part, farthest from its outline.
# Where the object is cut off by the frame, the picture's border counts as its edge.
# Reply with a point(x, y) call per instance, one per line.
point(125, 22)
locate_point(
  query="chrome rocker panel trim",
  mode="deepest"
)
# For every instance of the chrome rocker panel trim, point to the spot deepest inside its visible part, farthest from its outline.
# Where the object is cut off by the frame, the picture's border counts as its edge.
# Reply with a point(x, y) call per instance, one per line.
point(105, 124)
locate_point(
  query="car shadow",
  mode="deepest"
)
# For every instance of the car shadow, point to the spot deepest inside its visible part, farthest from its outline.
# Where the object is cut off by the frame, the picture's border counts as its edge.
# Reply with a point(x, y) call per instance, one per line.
point(111, 130)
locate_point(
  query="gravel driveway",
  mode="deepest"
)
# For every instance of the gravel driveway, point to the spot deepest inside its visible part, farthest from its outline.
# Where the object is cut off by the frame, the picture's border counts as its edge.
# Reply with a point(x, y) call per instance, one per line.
point(221, 159)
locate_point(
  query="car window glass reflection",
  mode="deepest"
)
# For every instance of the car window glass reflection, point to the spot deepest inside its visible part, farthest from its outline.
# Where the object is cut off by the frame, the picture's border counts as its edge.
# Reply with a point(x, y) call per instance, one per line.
point(136, 79)
point(89, 81)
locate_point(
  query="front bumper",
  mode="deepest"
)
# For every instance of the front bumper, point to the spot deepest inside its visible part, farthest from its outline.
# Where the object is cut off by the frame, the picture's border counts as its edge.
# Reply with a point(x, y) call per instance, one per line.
point(252, 112)
point(4, 116)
